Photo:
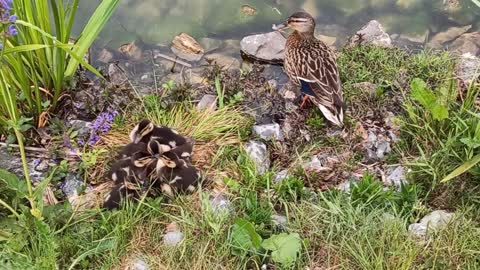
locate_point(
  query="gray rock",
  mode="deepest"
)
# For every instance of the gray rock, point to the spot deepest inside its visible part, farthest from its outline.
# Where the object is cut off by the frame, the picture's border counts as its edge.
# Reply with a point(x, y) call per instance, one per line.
point(72, 184)
point(468, 67)
point(269, 132)
point(138, 264)
point(396, 177)
point(172, 239)
point(279, 220)
point(345, 186)
point(12, 162)
point(434, 221)
point(267, 47)
point(377, 146)
point(316, 164)
point(220, 204)
point(207, 102)
point(279, 177)
point(372, 33)
point(187, 48)
point(82, 127)
point(257, 151)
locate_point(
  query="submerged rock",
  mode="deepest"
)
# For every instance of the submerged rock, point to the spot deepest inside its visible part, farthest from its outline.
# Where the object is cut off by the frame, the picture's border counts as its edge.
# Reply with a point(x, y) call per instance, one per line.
point(267, 47)
point(441, 39)
point(131, 50)
point(223, 61)
point(467, 43)
point(257, 151)
point(269, 132)
point(186, 47)
point(434, 221)
point(372, 33)
point(248, 10)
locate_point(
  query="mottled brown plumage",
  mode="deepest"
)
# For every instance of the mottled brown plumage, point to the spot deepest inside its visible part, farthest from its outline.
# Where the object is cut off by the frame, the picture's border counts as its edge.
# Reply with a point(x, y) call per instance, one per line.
point(312, 65)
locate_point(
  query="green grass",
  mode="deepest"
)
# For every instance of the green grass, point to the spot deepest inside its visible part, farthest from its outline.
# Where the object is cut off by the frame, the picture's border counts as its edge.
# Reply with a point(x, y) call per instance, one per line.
point(363, 229)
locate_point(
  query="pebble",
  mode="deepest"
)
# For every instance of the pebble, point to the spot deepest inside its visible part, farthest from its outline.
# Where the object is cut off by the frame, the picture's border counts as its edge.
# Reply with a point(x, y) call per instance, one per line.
point(207, 102)
point(396, 177)
point(269, 132)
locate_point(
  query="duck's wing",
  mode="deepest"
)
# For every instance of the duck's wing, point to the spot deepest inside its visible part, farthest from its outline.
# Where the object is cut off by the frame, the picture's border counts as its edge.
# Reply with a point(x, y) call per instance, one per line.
point(319, 79)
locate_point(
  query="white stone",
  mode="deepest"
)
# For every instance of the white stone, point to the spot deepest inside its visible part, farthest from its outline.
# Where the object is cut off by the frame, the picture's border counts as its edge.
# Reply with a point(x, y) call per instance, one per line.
point(269, 132)
point(257, 151)
point(172, 238)
point(208, 102)
point(434, 221)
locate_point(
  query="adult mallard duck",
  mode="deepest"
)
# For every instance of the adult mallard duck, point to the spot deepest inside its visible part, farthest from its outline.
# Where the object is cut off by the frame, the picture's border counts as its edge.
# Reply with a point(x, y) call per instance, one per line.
point(312, 65)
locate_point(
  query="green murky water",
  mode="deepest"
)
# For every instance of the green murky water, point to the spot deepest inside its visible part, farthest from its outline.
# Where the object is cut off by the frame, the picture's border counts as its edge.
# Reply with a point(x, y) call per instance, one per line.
point(158, 21)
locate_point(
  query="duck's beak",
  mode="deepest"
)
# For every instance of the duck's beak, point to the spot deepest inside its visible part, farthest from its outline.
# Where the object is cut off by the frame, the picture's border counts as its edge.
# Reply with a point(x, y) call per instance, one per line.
point(280, 27)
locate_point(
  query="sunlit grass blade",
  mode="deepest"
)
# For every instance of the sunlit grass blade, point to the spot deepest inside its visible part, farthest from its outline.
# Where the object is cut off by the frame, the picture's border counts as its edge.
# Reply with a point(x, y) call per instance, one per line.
point(96, 23)
point(462, 169)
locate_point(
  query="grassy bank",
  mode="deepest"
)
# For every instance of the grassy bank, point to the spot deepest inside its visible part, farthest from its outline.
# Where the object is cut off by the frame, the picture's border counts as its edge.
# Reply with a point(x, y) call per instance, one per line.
point(363, 229)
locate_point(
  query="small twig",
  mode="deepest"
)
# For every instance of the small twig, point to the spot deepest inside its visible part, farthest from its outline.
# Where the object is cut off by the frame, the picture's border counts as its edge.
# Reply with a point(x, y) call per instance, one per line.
point(172, 59)
point(41, 150)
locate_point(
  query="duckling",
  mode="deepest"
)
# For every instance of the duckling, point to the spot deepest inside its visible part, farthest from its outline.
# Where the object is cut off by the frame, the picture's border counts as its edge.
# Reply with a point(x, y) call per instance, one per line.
point(143, 167)
point(184, 151)
point(131, 148)
point(113, 199)
point(120, 170)
point(311, 64)
point(146, 130)
point(179, 179)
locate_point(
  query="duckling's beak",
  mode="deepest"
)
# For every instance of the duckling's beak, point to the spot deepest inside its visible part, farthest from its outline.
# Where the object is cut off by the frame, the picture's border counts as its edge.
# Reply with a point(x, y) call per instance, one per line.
point(280, 27)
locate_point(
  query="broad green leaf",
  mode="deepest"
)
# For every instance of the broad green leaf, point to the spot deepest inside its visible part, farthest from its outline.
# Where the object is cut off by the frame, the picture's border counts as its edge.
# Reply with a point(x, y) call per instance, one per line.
point(462, 169)
point(439, 112)
point(284, 247)
point(421, 94)
point(244, 237)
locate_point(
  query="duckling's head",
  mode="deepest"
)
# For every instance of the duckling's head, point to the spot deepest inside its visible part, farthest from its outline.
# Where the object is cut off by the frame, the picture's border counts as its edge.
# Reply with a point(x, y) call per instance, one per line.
point(142, 159)
point(143, 128)
point(301, 22)
point(156, 148)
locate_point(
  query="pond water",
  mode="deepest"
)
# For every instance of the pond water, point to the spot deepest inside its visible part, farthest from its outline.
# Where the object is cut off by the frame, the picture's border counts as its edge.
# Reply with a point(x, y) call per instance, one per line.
point(156, 22)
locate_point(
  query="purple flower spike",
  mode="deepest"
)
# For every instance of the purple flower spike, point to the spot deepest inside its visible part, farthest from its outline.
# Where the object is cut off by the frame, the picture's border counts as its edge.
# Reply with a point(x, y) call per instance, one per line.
point(13, 18)
point(12, 31)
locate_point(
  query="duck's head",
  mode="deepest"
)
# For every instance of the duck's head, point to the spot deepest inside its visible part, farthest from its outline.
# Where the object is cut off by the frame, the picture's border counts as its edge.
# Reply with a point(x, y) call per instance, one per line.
point(141, 130)
point(156, 148)
point(301, 22)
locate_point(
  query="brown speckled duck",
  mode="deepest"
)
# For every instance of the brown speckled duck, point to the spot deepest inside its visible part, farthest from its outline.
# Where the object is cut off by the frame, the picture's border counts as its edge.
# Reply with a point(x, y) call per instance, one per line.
point(311, 64)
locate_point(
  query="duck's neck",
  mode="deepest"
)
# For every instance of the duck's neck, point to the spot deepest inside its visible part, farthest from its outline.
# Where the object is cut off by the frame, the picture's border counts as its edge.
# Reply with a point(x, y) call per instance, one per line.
point(305, 35)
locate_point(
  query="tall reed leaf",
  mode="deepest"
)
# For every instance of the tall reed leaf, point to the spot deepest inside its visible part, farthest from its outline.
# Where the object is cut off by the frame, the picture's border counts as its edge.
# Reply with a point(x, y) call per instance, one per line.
point(91, 31)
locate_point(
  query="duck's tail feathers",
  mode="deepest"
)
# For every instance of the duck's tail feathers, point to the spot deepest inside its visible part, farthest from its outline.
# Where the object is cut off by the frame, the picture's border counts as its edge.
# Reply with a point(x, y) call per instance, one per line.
point(334, 116)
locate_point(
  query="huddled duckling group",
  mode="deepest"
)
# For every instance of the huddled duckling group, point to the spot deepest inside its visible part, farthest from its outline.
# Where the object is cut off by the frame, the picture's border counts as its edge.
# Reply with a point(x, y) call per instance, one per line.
point(157, 158)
